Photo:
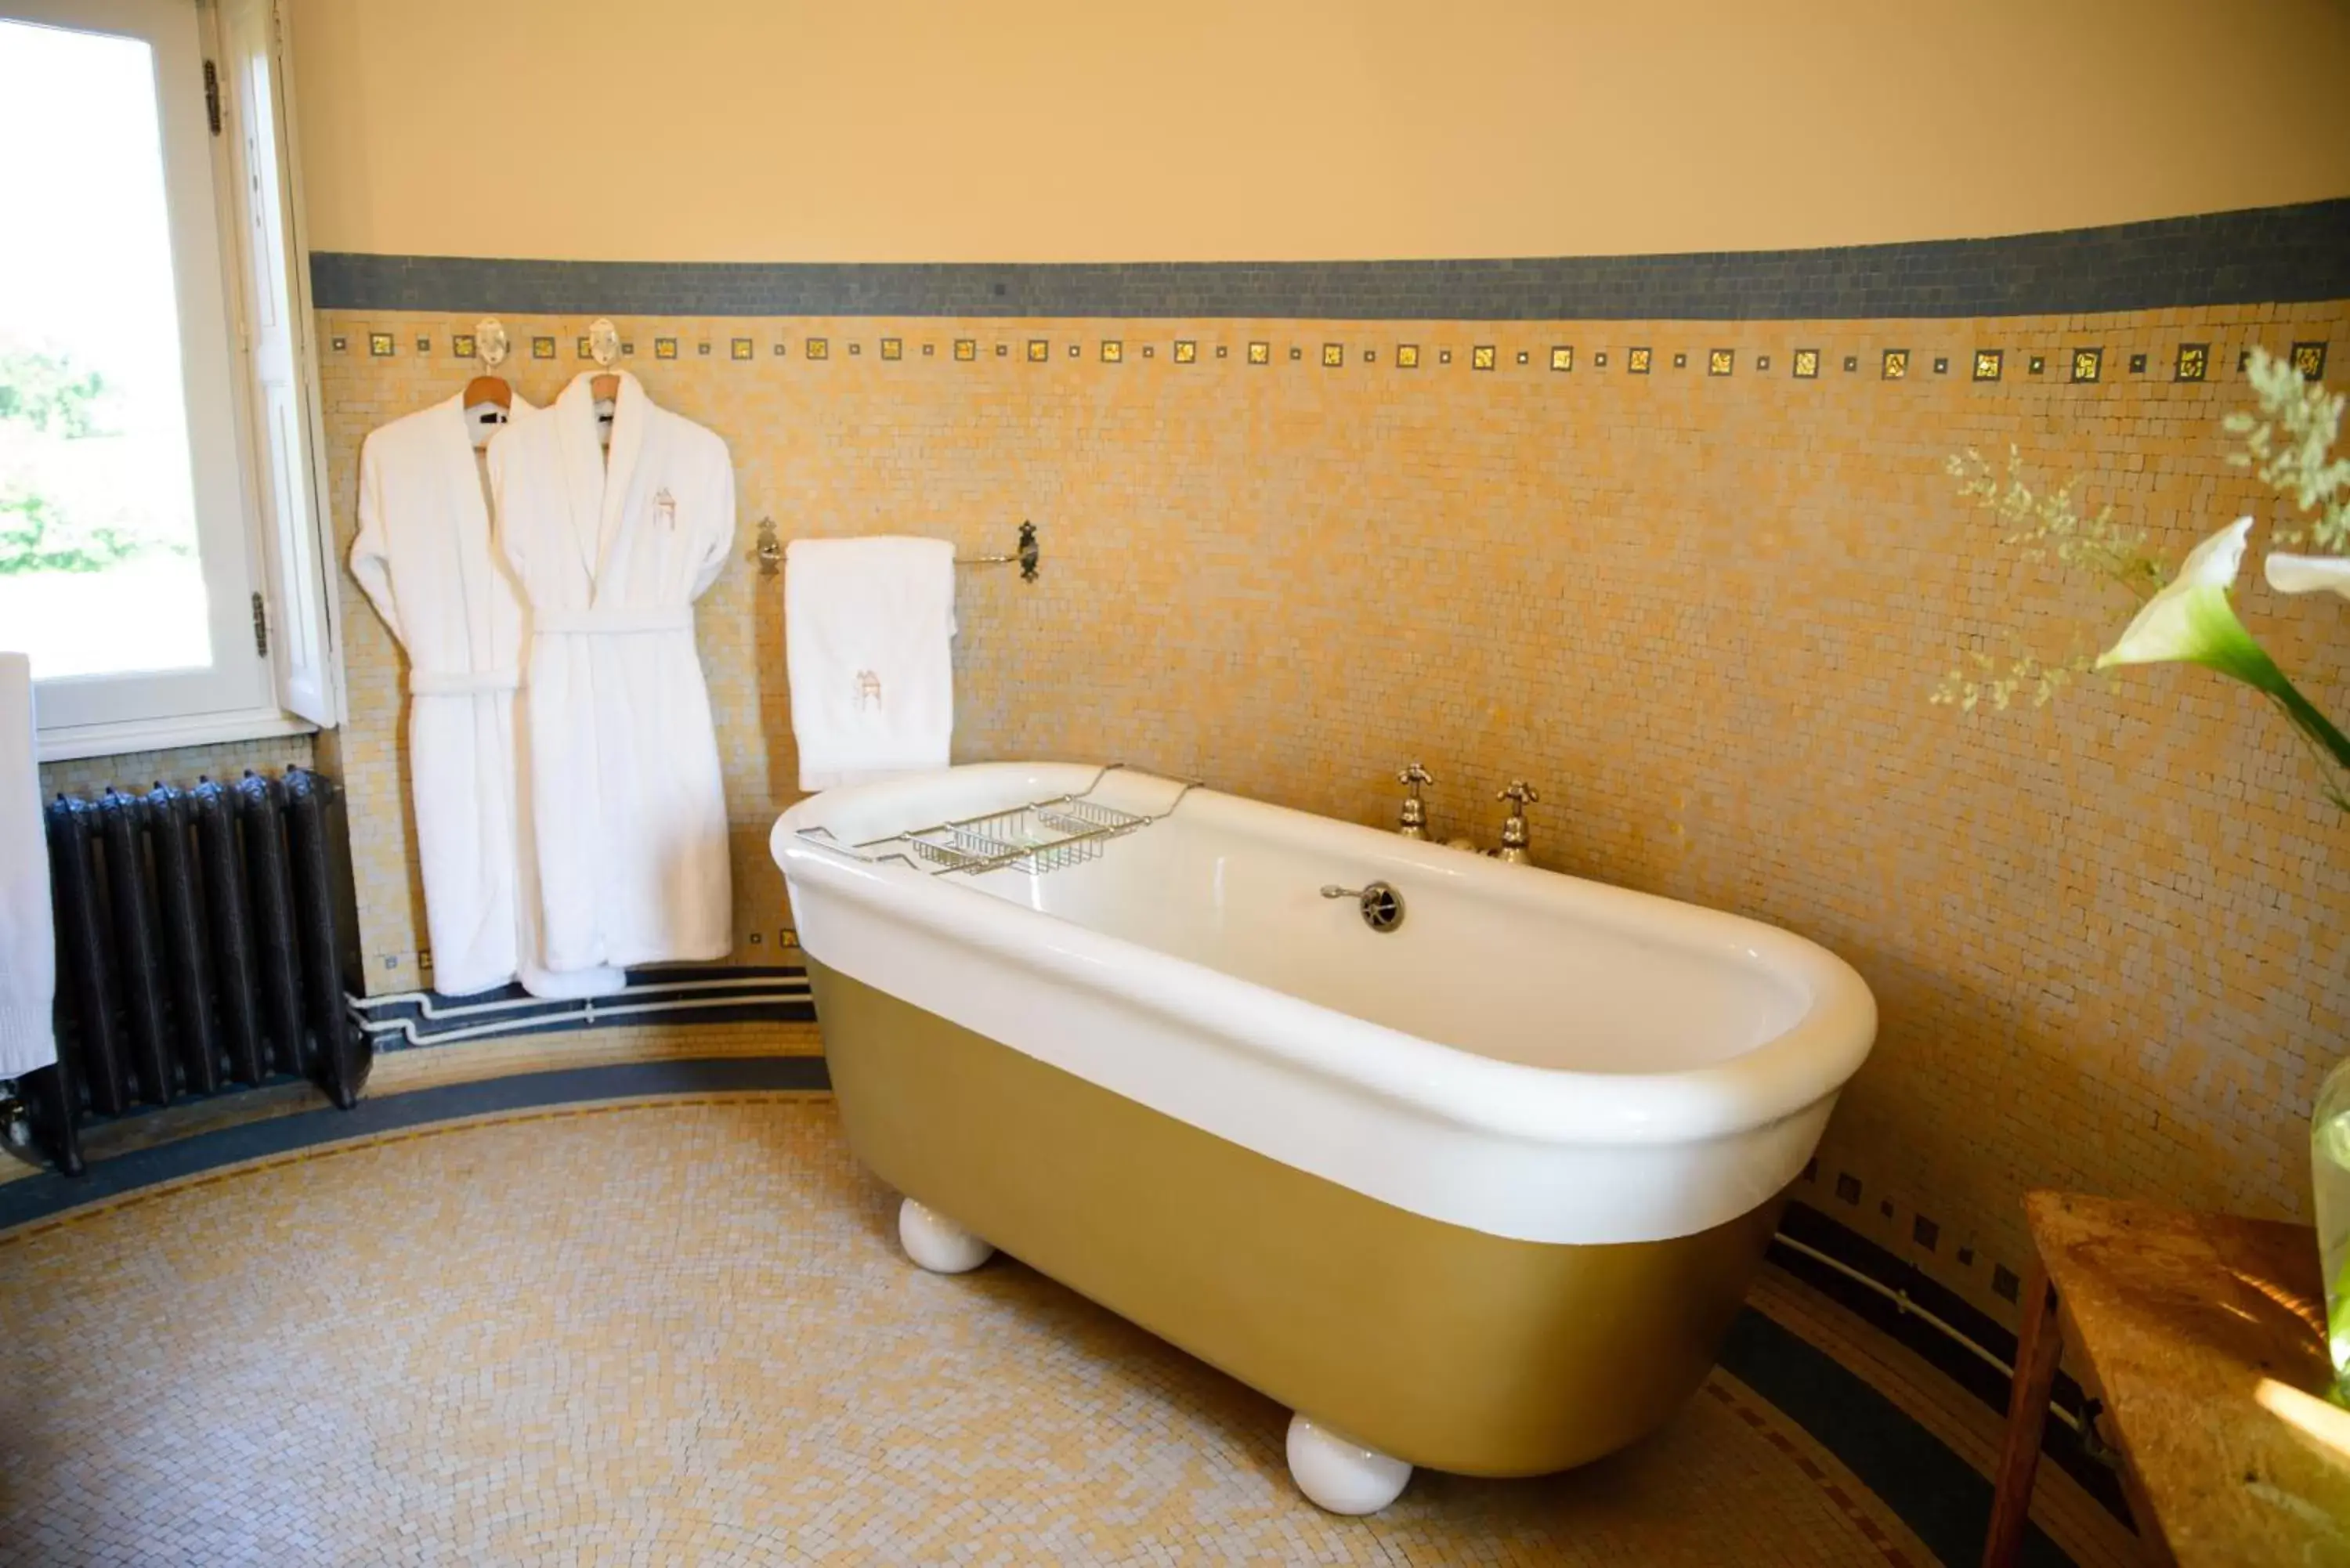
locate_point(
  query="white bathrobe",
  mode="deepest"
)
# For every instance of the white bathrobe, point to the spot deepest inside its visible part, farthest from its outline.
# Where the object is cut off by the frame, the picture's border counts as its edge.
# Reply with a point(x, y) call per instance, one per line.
point(29, 939)
point(424, 556)
point(610, 555)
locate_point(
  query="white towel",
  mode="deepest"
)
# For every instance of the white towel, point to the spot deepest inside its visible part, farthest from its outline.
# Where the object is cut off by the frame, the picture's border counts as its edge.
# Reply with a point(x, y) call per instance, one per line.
point(867, 624)
point(28, 937)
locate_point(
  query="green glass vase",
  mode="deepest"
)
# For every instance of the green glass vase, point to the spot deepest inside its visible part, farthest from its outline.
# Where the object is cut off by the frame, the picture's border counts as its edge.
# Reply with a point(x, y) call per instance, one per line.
point(2329, 1161)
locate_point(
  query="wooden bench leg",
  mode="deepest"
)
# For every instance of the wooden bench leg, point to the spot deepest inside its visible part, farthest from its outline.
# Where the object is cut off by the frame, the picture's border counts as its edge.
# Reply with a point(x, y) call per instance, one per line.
point(2039, 1342)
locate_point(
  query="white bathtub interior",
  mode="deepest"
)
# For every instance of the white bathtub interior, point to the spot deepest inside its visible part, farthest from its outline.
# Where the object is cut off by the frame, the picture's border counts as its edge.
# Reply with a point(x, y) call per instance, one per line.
point(1235, 886)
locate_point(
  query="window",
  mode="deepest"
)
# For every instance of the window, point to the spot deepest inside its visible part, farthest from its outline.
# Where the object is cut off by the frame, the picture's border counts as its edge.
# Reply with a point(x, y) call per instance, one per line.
point(159, 557)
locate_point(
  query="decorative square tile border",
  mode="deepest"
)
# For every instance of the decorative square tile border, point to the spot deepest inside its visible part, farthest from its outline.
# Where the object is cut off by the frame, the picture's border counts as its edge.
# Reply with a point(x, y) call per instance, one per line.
point(2083, 364)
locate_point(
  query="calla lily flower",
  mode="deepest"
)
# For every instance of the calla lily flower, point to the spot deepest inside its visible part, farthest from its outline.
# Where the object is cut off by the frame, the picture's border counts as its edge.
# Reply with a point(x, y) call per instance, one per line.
point(2190, 621)
point(2307, 573)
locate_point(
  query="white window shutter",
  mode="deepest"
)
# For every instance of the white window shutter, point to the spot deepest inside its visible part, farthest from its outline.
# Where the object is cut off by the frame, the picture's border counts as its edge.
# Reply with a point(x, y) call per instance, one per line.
point(296, 533)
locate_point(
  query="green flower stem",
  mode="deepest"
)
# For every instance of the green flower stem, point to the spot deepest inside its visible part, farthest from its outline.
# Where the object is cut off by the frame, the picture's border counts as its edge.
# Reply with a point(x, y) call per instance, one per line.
point(2338, 1332)
point(2221, 642)
point(2312, 724)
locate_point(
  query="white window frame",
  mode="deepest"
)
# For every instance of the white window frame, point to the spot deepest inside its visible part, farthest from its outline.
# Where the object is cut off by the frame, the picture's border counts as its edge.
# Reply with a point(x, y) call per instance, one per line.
point(241, 268)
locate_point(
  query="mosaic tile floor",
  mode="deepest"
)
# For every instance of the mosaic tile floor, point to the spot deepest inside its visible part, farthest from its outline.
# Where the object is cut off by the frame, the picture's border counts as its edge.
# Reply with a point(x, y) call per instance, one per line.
point(680, 1330)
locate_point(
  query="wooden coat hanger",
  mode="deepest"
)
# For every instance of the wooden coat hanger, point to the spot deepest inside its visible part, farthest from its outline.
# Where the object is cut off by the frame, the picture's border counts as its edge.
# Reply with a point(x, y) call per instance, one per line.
point(488, 389)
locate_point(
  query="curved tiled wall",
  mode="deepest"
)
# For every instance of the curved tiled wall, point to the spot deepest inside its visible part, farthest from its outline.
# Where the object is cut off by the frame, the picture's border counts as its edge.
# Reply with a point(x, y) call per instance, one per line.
point(1697, 576)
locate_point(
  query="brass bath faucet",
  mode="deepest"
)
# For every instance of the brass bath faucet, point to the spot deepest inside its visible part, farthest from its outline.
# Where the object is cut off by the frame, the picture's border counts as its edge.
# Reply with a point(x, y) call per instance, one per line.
point(1520, 794)
point(1411, 821)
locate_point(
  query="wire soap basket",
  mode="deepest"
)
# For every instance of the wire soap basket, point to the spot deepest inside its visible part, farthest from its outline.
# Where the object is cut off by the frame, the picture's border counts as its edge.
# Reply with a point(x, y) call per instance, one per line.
point(1040, 836)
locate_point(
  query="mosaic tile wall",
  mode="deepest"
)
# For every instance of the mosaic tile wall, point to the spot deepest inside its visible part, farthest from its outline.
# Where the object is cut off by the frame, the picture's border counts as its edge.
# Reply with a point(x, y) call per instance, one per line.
point(1695, 581)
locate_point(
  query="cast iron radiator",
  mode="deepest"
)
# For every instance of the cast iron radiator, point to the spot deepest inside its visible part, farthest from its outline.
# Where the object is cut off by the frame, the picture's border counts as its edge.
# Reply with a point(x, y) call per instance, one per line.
point(205, 938)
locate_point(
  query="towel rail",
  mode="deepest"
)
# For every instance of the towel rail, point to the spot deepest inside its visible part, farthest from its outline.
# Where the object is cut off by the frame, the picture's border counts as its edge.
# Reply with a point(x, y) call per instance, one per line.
point(1025, 553)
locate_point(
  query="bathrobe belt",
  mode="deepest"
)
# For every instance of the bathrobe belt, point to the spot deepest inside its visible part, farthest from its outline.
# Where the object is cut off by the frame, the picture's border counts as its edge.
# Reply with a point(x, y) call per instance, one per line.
point(613, 620)
point(462, 682)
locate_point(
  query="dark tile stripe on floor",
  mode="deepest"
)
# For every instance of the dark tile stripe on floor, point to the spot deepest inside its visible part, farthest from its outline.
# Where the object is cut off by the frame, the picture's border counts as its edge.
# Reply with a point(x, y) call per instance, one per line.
point(38, 1198)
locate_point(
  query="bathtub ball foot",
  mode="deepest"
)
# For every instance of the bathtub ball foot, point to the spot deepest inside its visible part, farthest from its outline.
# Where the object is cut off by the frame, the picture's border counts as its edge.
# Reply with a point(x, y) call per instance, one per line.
point(1340, 1474)
point(937, 1242)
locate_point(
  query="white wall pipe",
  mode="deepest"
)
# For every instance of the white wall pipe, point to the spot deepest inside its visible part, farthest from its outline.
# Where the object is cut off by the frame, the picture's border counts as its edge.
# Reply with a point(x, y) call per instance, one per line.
point(1910, 1308)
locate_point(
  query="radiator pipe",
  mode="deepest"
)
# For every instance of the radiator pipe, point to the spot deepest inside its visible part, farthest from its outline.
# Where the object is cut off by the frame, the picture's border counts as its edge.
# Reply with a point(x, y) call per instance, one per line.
point(1902, 1299)
point(260, 802)
point(432, 1005)
point(584, 1012)
point(238, 967)
point(183, 939)
point(119, 818)
point(340, 1053)
point(81, 947)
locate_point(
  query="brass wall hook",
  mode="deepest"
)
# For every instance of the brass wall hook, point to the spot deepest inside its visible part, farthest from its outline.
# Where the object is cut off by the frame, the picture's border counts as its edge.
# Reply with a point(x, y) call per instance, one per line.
point(769, 553)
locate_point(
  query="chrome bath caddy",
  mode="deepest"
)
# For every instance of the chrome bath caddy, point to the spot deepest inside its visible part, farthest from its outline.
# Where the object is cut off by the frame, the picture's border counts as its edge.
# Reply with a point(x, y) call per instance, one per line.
point(1041, 835)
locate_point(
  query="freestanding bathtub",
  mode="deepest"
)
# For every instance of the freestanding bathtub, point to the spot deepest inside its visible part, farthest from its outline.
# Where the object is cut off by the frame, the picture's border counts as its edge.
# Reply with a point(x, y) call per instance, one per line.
point(1480, 1191)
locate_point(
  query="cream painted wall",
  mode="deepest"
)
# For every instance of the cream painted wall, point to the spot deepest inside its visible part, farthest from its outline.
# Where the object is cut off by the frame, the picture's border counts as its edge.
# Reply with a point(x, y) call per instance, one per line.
point(1223, 129)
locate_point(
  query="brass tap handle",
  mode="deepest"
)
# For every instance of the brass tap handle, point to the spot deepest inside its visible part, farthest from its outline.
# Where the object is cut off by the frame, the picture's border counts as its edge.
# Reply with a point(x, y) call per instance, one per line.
point(1520, 794)
point(1412, 821)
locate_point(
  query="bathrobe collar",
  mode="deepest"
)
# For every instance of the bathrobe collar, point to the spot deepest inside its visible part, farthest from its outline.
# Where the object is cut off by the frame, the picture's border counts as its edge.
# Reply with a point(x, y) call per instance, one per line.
point(596, 477)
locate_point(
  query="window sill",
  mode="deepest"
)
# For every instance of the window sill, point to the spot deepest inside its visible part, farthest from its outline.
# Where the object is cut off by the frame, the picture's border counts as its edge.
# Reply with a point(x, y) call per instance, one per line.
point(65, 743)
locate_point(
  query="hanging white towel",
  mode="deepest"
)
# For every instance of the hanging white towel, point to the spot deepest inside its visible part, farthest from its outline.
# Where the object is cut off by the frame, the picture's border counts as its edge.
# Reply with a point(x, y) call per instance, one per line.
point(866, 627)
point(28, 937)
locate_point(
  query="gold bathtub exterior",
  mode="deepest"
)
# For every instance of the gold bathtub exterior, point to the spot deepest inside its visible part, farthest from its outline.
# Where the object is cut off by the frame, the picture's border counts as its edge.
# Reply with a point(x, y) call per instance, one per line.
point(1434, 1342)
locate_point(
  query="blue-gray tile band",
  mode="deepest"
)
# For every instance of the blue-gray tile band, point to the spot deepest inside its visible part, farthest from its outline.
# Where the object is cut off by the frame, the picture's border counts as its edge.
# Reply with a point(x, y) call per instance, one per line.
point(2263, 256)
